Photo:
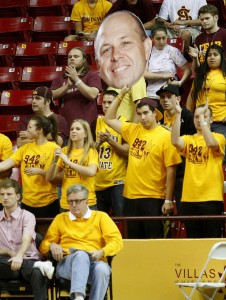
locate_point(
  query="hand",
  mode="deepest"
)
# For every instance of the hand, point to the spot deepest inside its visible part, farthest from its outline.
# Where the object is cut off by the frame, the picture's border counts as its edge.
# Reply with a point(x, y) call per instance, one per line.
point(11, 253)
point(123, 91)
point(193, 51)
point(179, 22)
point(168, 76)
point(16, 262)
point(101, 137)
point(176, 28)
point(33, 171)
point(97, 254)
point(57, 153)
point(57, 251)
point(176, 105)
point(167, 208)
point(166, 127)
point(72, 74)
point(24, 135)
point(174, 82)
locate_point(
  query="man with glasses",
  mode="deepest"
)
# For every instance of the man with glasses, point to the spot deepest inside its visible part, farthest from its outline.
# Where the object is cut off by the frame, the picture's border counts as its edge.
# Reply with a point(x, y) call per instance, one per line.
point(80, 240)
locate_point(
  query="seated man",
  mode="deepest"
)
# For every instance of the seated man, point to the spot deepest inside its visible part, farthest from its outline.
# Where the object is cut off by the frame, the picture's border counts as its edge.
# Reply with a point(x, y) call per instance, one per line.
point(80, 240)
point(18, 253)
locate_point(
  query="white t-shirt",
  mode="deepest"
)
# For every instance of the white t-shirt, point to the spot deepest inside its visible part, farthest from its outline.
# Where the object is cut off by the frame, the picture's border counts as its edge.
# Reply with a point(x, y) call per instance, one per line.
point(180, 9)
point(163, 61)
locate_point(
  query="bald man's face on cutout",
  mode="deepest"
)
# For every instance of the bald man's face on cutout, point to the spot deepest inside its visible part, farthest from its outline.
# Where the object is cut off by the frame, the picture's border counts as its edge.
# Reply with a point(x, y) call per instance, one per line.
point(122, 50)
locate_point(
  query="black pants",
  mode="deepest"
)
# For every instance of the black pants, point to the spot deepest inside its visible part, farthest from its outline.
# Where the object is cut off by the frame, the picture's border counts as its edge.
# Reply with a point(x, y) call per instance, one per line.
point(203, 228)
point(34, 276)
point(48, 211)
point(144, 207)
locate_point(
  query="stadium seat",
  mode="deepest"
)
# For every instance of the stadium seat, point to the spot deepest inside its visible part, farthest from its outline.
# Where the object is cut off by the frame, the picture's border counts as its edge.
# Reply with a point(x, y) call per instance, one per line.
point(33, 77)
point(18, 29)
point(16, 102)
point(70, 5)
point(176, 42)
point(35, 54)
point(65, 47)
point(47, 8)
point(9, 77)
point(9, 125)
point(51, 28)
point(13, 8)
point(7, 52)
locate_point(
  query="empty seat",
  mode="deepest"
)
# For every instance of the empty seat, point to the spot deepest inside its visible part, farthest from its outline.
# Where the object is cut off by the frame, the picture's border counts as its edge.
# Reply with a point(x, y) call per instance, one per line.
point(65, 47)
point(9, 125)
point(33, 77)
point(16, 102)
point(9, 77)
point(53, 28)
point(47, 8)
point(7, 52)
point(13, 8)
point(35, 54)
point(16, 29)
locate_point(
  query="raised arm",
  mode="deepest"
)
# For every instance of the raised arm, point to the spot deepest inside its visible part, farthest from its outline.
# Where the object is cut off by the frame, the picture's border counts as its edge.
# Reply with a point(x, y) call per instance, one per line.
point(176, 140)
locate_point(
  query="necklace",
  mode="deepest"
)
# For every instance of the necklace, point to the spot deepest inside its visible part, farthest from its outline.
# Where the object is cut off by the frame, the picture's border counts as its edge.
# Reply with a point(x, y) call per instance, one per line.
point(212, 41)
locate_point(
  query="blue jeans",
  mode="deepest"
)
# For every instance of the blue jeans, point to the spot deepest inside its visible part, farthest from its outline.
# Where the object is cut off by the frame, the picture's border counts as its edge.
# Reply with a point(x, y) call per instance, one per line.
point(78, 268)
point(111, 198)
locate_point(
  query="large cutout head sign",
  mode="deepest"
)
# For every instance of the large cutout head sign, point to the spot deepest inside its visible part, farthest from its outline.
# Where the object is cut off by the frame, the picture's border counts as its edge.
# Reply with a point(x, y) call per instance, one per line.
point(122, 49)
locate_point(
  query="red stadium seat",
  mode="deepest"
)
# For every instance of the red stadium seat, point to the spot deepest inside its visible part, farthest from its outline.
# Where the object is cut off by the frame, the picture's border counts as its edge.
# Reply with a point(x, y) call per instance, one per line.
point(7, 52)
point(16, 101)
point(176, 42)
point(53, 28)
point(35, 54)
point(70, 5)
point(13, 8)
point(9, 77)
point(33, 77)
point(18, 29)
point(65, 47)
point(9, 125)
point(47, 8)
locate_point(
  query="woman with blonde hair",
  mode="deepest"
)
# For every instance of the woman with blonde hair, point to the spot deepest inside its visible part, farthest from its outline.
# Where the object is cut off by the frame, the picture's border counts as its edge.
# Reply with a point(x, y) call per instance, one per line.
point(76, 163)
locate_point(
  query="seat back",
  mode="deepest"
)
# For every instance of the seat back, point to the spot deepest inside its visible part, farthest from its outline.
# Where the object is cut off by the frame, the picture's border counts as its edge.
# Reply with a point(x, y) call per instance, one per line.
point(65, 47)
point(218, 251)
point(13, 8)
point(51, 28)
point(10, 77)
point(47, 8)
point(35, 54)
point(7, 52)
point(16, 102)
point(16, 29)
point(176, 42)
point(33, 77)
point(9, 125)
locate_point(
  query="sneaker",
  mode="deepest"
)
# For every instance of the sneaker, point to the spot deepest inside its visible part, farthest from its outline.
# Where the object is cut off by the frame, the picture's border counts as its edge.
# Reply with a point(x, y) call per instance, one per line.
point(45, 267)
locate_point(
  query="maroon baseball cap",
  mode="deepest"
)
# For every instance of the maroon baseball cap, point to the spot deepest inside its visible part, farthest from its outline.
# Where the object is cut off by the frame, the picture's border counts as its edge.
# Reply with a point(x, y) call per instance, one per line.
point(153, 104)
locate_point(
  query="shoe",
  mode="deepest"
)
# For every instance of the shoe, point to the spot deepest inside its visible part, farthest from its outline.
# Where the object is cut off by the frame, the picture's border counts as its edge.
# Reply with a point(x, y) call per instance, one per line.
point(45, 267)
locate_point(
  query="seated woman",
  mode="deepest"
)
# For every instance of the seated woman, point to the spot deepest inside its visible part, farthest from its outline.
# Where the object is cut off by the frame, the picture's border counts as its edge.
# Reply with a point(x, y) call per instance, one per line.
point(76, 163)
point(163, 64)
point(210, 81)
point(34, 159)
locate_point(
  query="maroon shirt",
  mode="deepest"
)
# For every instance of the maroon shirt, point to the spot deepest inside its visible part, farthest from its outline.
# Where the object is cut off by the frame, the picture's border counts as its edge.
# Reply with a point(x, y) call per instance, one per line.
point(143, 9)
point(204, 40)
point(73, 105)
point(62, 125)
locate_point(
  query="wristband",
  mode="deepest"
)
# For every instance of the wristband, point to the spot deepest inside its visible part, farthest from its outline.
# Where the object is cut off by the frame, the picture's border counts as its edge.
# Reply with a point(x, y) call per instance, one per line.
point(54, 162)
point(168, 201)
point(78, 82)
point(179, 83)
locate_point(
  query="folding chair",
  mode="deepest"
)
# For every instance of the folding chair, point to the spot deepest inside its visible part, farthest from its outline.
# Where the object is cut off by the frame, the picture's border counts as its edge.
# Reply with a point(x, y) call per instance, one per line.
point(217, 252)
point(177, 43)
point(10, 77)
point(36, 54)
point(13, 8)
point(47, 8)
point(51, 28)
point(65, 47)
point(16, 102)
point(7, 52)
point(18, 29)
point(33, 77)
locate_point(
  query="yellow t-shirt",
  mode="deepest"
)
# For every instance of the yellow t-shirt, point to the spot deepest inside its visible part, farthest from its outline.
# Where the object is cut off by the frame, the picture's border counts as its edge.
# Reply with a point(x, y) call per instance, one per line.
point(151, 152)
point(112, 166)
point(203, 178)
point(91, 18)
point(73, 177)
point(127, 106)
point(216, 91)
point(6, 147)
point(37, 191)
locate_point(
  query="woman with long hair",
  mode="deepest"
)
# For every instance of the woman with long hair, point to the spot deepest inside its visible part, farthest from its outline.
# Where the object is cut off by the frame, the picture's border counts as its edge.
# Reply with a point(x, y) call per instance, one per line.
point(34, 159)
point(76, 163)
point(210, 82)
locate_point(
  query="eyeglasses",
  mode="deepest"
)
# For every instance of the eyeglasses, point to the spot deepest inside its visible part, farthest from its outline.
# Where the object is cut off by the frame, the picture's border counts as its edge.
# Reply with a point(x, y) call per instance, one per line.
point(77, 201)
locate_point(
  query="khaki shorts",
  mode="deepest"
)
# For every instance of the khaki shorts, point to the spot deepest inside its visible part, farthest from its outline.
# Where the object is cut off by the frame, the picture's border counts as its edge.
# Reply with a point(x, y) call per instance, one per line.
point(193, 31)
